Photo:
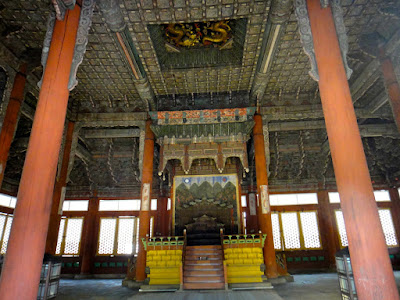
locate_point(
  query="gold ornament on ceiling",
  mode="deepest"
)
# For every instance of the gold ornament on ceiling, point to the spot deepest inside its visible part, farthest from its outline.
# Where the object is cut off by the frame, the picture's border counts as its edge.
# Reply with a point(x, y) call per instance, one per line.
point(199, 35)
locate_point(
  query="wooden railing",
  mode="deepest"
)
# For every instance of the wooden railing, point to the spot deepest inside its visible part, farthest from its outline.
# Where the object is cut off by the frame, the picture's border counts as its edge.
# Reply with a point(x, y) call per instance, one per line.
point(243, 240)
point(163, 243)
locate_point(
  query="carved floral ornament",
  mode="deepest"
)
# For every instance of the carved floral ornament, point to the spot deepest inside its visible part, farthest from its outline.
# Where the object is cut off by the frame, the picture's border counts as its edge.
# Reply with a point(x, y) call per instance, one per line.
point(306, 37)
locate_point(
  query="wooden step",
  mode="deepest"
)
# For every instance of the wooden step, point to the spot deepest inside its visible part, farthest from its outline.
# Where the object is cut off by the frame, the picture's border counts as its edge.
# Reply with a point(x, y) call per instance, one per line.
point(204, 273)
point(194, 267)
point(205, 257)
point(203, 262)
point(203, 286)
point(203, 279)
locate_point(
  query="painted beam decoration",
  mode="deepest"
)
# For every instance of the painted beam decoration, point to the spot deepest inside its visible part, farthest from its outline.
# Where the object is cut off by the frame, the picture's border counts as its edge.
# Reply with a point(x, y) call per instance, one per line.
point(202, 116)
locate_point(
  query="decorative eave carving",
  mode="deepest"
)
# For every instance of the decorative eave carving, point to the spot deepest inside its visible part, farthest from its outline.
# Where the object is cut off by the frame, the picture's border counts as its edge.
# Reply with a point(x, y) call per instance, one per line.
point(306, 33)
point(61, 6)
point(85, 21)
point(280, 11)
point(219, 152)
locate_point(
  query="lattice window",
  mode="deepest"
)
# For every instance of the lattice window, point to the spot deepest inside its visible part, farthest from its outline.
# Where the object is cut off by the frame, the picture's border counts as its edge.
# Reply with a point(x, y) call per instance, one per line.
point(69, 236)
point(243, 200)
point(5, 228)
point(126, 229)
point(387, 226)
point(291, 232)
point(342, 228)
point(60, 236)
point(73, 234)
point(276, 231)
point(309, 226)
point(107, 236)
point(119, 236)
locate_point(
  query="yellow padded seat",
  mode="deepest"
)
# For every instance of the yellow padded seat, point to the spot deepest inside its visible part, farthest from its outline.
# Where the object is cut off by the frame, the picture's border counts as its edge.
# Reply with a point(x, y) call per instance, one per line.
point(152, 263)
point(229, 250)
point(166, 257)
point(149, 258)
point(242, 256)
point(257, 261)
point(237, 250)
point(246, 250)
point(238, 261)
point(171, 263)
point(156, 258)
point(247, 261)
point(161, 263)
point(252, 255)
point(161, 252)
point(256, 250)
point(176, 257)
point(229, 261)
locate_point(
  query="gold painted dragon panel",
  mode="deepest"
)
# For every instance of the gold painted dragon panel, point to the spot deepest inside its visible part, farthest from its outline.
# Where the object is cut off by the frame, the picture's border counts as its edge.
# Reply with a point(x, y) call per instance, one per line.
point(199, 34)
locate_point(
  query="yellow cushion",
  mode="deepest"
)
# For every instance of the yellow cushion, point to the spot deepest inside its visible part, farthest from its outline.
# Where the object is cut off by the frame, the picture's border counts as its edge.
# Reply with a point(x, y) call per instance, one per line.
point(161, 252)
point(237, 250)
point(171, 263)
point(252, 255)
point(258, 261)
point(246, 250)
point(247, 261)
point(151, 263)
point(150, 253)
point(238, 261)
point(178, 252)
point(162, 263)
point(157, 258)
point(229, 261)
point(228, 250)
point(257, 250)
point(242, 256)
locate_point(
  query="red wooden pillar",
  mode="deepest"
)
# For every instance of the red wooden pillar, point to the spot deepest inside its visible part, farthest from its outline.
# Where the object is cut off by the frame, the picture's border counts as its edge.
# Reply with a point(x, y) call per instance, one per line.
point(328, 237)
point(21, 270)
point(90, 236)
point(372, 269)
point(264, 210)
point(144, 215)
point(392, 85)
point(11, 118)
point(162, 213)
point(395, 200)
point(59, 192)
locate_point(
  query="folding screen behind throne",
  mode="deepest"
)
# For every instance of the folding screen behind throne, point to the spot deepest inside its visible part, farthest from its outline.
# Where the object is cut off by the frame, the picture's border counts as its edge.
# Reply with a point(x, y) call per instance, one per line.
point(215, 196)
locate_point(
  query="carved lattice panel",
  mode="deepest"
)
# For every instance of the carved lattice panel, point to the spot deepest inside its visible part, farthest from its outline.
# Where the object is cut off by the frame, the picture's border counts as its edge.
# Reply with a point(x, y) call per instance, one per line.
point(107, 236)
point(6, 234)
point(291, 232)
point(309, 226)
point(60, 236)
point(73, 236)
point(3, 219)
point(126, 229)
point(387, 226)
point(137, 236)
point(276, 231)
point(341, 228)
